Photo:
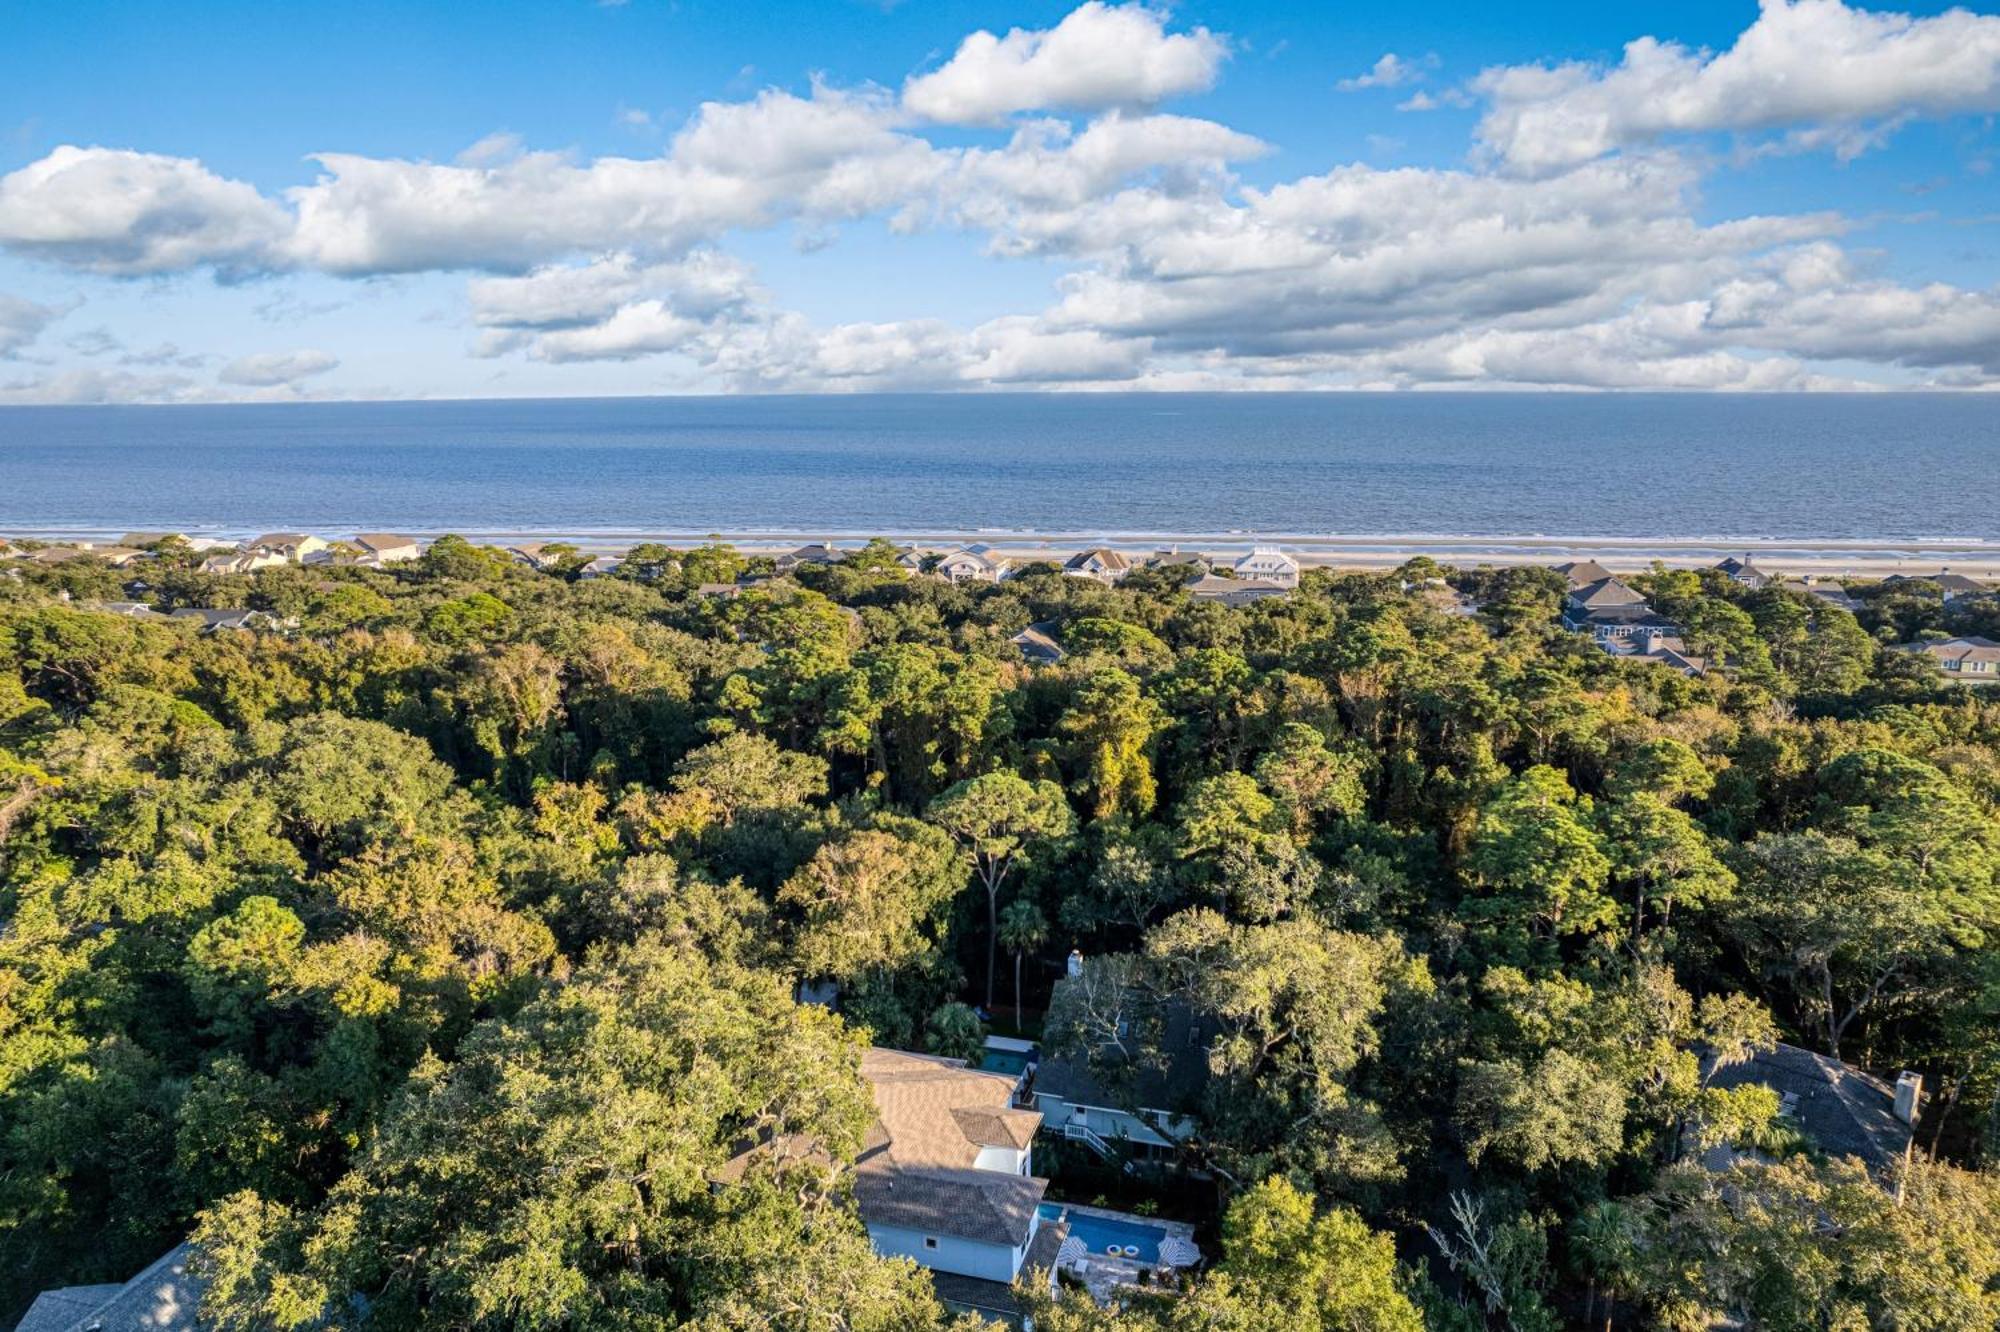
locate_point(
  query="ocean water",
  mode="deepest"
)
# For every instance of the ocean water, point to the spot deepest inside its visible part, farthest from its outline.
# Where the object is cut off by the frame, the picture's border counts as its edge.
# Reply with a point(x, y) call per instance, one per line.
point(1893, 466)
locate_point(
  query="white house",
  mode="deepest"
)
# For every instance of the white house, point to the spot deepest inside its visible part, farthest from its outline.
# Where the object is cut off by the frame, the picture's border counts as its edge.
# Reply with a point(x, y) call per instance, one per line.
point(946, 1177)
point(1106, 566)
point(972, 564)
point(1267, 564)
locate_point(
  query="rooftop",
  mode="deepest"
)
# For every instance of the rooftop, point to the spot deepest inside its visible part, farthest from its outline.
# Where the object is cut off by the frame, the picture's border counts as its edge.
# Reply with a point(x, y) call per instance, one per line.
point(919, 1169)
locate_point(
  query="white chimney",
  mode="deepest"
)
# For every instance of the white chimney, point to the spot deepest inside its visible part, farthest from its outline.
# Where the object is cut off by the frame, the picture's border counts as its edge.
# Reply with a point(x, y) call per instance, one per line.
point(1075, 965)
point(1909, 1096)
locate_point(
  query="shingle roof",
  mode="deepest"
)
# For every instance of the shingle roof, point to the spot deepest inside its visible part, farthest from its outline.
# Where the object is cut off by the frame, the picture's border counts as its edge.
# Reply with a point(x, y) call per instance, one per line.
point(382, 540)
point(163, 1298)
point(1969, 648)
point(1582, 572)
point(1036, 644)
point(1605, 592)
point(917, 1169)
point(1144, 1085)
point(1111, 560)
point(1844, 1111)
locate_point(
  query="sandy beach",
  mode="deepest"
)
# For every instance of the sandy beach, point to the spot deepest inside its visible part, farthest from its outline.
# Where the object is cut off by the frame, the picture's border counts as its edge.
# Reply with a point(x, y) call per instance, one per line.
point(1974, 557)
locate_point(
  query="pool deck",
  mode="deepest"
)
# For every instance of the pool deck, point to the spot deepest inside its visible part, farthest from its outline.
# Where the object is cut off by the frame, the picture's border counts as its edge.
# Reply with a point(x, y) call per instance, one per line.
point(1107, 1278)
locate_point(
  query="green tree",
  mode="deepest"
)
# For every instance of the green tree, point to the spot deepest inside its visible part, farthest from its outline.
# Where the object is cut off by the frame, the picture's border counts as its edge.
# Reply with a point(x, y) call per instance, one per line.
point(999, 818)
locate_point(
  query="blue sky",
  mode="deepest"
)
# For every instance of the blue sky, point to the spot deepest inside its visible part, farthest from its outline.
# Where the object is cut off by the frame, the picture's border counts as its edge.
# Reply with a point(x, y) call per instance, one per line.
point(581, 198)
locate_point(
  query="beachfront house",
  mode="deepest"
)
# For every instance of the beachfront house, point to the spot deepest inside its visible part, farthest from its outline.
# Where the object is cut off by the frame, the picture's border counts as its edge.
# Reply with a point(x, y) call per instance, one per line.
point(379, 548)
point(603, 566)
point(166, 1297)
point(972, 564)
point(1106, 566)
point(1744, 573)
point(1268, 564)
point(822, 553)
point(288, 547)
point(1838, 1108)
point(1582, 573)
point(1951, 586)
point(1191, 562)
point(1966, 660)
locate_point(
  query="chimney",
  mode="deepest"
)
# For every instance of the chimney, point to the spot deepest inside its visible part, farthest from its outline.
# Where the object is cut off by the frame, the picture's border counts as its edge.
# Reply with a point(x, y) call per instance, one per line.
point(1909, 1096)
point(1074, 966)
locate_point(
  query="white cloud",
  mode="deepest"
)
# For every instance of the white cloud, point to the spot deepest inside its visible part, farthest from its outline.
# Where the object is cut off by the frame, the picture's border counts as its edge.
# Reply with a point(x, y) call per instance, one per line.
point(1570, 253)
point(271, 369)
point(90, 385)
point(1391, 71)
point(735, 165)
point(1837, 73)
point(22, 321)
point(1099, 56)
point(125, 213)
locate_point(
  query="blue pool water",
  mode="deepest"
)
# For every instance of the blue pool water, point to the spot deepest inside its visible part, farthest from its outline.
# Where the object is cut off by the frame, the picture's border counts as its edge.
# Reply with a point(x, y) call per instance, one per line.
point(1099, 1233)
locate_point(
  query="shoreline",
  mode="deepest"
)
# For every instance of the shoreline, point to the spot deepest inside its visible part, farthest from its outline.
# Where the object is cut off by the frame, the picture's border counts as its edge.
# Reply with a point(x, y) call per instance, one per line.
point(1854, 557)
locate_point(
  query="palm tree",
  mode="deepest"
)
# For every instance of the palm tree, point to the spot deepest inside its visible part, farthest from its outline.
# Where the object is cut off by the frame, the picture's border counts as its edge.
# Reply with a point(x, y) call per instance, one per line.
point(1023, 929)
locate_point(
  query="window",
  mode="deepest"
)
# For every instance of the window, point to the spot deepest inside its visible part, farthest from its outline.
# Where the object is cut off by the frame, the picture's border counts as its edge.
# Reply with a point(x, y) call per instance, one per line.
point(930, 1241)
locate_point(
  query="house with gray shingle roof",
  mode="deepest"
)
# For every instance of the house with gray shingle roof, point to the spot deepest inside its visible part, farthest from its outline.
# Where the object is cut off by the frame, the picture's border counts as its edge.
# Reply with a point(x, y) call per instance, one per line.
point(1037, 645)
point(1951, 586)
point(1968, 660)
point(1581, 573)
point(1233, 591)
point(163, 1298)
point(1837, 1107)
point(1744, 572)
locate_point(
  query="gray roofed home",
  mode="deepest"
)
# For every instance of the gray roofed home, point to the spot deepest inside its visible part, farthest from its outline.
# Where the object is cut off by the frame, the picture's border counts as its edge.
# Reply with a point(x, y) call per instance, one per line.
point(234, 620)
point(1605, 592)
point(1173, 557)
point(1951, 585)
point(1969, 660)
point(1037, 645)
point(1580, 573)
point(822, 553)
point(1232, 591)
point(1840, 1109)
point(131, 610)
point(163, 1298)
point(1744, 572)
point(1101, 1098)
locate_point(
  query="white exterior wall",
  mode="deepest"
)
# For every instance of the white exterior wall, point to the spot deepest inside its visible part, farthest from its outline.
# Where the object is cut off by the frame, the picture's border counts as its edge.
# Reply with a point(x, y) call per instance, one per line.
point(954, 1253)
point(1003, 1159)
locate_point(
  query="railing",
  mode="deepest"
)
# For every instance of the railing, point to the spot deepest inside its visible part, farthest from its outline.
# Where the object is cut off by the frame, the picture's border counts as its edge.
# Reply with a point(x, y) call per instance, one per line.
point(1084, 1134)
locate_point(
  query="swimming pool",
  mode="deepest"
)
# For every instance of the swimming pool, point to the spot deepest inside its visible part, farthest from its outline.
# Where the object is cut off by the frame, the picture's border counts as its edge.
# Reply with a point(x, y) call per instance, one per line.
point(1100, 1233)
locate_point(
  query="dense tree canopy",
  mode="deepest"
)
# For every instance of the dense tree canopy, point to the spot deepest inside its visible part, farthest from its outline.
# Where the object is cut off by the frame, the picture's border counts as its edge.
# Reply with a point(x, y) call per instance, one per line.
point(428, 954)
